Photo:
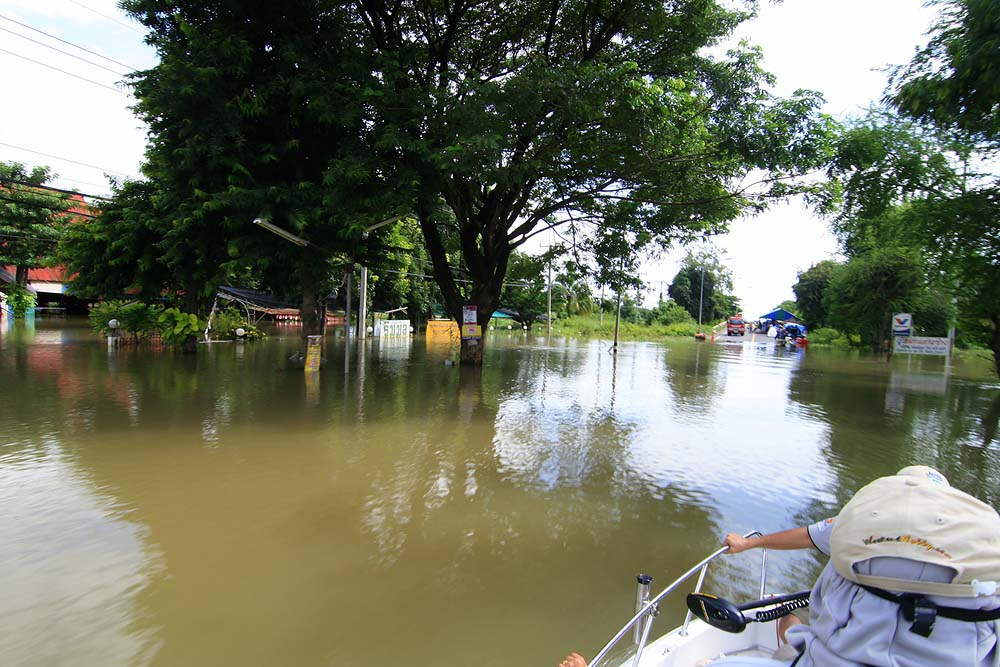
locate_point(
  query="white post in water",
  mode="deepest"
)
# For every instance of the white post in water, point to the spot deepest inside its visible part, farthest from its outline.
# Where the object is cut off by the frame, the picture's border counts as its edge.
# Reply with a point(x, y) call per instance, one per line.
point(641, 598)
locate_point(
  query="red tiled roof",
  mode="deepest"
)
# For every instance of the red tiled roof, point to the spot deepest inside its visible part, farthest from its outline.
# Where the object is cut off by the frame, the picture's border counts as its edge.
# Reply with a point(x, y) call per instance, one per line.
point(55, 274)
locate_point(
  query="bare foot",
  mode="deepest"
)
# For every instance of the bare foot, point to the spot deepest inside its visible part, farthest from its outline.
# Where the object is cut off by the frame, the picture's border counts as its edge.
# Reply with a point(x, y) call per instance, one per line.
point(573, 660)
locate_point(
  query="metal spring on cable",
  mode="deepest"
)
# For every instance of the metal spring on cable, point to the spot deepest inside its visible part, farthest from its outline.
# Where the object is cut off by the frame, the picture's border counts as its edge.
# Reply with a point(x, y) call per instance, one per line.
point(781, 610)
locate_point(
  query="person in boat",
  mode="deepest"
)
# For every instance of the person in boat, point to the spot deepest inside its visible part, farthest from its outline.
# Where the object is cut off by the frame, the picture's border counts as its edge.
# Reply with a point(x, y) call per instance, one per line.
point(912, 580)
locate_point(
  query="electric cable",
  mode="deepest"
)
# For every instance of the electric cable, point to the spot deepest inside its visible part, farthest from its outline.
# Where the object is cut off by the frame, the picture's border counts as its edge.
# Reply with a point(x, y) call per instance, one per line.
point(49, 208)
point(66, 159)
point(110, 18)
point(62, 71)
point(67, 53)
point(75, 46)
point(49, 187)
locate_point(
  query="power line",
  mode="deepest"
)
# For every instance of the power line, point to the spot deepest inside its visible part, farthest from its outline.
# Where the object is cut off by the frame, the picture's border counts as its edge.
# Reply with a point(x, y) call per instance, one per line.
point(48, 208)
point(49, 187)
point(77, 180)
point(110, 18)
point(75, 76)
point(66, 53)
point(65, 159)
point(75, 46)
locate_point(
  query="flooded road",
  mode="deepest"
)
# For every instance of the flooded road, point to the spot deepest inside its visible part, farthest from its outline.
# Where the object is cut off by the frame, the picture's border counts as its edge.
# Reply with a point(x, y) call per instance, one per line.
point(218, 509)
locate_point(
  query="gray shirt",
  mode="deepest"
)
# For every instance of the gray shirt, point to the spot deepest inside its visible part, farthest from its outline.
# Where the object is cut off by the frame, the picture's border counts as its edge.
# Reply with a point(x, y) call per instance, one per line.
point(850, 627)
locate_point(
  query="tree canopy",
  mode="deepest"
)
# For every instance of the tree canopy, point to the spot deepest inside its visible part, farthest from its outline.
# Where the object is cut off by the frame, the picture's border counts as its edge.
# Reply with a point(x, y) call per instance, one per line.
point(609, 119)
point(489, 121)
point(32, 215)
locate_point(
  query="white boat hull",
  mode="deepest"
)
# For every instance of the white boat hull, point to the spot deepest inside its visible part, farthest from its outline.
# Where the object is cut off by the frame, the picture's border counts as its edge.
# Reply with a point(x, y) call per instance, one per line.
point(704, 643)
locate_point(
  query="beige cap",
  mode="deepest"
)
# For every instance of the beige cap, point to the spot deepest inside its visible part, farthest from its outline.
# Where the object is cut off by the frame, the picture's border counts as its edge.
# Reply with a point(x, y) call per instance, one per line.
point(916, 514)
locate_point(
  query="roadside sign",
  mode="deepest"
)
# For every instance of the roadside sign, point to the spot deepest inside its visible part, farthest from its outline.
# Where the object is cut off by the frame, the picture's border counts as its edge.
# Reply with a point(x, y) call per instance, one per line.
point(902, 324)
point(469, 315)
point(472, 331)
point(313, 345)
point(926, 345)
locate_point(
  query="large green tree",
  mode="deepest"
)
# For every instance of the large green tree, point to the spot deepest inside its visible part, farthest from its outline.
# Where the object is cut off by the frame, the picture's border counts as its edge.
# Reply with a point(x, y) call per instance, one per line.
point(810, 293)
point(864, 293)
point(703, 287)
point(953, 85)
point(32, 216)
point(257, 109)
point(577, 113)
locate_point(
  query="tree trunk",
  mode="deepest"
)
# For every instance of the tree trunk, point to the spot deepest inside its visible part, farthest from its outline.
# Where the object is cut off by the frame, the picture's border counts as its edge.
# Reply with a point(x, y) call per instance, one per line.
point(21, 276)
point(471, 353)
point(313, 309)
point(995, 343)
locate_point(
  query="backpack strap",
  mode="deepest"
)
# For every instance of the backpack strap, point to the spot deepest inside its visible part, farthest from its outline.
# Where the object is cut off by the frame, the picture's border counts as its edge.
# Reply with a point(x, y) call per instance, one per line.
point(922, 612)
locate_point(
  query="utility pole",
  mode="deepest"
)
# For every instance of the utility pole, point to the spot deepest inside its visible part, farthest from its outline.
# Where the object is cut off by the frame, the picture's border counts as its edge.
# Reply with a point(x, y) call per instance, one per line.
point(701, 299)
point(548, 316)
point(618, 308)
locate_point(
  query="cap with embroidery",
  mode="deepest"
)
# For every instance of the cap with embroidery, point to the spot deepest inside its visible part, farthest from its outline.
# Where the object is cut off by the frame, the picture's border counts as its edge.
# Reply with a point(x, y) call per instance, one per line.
point(916, 514)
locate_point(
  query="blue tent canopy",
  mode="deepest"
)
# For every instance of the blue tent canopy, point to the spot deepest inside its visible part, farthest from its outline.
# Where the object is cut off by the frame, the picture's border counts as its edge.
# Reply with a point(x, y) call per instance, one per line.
point(779, 314)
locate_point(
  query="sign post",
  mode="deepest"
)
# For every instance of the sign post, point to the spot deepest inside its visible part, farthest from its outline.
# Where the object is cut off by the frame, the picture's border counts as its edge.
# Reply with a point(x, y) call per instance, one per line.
point(471, 331)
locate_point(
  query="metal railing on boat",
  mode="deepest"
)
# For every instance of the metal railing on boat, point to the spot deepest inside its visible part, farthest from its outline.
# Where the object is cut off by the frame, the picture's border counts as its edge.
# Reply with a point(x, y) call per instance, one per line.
point(648, 609)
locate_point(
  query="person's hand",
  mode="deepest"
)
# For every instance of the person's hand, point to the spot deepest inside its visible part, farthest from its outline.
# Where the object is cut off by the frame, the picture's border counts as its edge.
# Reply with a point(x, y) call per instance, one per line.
point(736, 543)
point(573, 660)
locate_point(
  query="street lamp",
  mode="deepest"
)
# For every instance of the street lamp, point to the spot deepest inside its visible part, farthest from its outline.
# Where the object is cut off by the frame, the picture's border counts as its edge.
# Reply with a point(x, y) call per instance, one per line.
point(301, 242)
point(283, 233)
point(363, 305)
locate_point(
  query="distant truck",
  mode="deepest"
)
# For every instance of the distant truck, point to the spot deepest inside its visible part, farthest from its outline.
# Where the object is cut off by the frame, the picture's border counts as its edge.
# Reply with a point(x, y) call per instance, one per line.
point(735, 326)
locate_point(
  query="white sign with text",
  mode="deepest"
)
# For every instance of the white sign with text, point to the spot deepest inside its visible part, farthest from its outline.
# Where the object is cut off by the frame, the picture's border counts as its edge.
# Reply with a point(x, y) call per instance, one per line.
point(922, 345)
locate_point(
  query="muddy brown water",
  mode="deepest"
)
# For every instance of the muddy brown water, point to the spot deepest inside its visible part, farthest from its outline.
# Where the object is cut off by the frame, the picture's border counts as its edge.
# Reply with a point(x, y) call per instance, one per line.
point(220, 509)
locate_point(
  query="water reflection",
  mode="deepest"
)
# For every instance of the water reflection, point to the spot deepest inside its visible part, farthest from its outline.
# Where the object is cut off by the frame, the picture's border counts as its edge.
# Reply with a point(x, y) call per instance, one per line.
point(166, 509)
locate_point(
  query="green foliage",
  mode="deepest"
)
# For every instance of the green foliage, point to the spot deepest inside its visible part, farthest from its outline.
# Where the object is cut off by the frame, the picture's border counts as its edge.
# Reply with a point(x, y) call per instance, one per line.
point(864, 293)
point(524, 289)
point(177, 327)
point(120, 251)
point(667, 313)
point(710, 300)
point(590, 325)
point(628, 129)
point(810, 291)
point(19, 299)
point(31, 217)
point(954, 82)
point(228, 320)
point(137, 319)
point(829, 337)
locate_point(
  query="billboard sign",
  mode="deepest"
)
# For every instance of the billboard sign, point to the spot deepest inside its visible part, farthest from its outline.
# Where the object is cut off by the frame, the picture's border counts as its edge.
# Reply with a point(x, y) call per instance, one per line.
point(902, 324)
point(922, 345)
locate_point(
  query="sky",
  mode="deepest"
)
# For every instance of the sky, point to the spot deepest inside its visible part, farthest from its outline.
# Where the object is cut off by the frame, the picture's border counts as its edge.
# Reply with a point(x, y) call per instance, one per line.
point(72, 115)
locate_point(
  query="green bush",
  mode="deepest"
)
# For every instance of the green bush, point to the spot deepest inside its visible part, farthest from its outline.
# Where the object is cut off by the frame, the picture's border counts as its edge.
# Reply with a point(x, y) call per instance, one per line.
point(228, 320)
point(832, 338)
point(592, 326)
point(176, 327)
point(135, 319)
point(19, 299)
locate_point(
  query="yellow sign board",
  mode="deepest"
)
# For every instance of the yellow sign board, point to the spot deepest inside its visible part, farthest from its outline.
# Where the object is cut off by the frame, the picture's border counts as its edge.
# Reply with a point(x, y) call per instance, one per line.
point(313, 346)
point(442, 329)
point(472, 331)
